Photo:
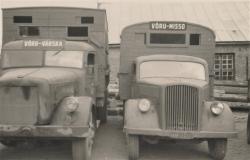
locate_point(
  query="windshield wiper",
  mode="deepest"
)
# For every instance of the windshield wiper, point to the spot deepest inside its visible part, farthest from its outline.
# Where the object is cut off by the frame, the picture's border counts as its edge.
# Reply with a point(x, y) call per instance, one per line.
point(57, 52)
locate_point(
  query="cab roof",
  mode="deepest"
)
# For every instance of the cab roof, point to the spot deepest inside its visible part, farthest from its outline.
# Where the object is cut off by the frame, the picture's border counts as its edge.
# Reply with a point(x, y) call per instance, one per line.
point(55, 7)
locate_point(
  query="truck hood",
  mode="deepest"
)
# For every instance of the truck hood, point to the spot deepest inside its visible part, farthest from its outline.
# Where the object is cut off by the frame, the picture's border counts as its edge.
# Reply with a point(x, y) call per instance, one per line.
point(32, 94)
point(174, 81)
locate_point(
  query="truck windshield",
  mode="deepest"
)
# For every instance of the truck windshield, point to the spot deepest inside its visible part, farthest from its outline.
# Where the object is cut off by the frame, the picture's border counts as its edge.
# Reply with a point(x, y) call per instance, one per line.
point(64, 59)
point(39, 58)
point(27, 58)
point(171, 69)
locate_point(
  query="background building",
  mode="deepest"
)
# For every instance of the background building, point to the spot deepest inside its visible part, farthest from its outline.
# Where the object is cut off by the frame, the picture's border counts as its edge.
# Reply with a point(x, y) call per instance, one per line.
point(229, 19)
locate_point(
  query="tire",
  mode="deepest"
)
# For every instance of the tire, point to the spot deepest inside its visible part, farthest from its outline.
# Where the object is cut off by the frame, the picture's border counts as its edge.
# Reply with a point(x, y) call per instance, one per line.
point(103, 114)
point(82, 149)
point(10, 143)
point(133, 147)
point(248, 128)
point(217, 148)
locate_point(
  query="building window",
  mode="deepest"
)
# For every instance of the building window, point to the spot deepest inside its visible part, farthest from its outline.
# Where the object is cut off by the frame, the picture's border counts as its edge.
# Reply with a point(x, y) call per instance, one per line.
point(167, 38)
point(22, 19)
point(77, 31)
point(29, 31)
point(87, 20)
point(194, 39)
point(224, 66)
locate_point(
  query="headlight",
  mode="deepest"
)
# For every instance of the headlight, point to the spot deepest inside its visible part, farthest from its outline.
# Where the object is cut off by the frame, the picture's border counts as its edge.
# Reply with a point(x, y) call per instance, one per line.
point(144, 105)
point(72, 104)
point(217, 108)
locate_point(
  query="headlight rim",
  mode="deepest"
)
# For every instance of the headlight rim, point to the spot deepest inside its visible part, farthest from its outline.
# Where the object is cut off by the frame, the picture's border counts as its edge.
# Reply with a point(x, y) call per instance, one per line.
point(71, 101)
point(216, 105)
point(144, 105)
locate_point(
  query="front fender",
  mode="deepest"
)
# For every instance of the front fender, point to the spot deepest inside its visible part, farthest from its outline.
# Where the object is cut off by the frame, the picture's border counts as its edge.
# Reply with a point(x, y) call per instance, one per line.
point(135, 119)
point(78, 118)
point(220, 123)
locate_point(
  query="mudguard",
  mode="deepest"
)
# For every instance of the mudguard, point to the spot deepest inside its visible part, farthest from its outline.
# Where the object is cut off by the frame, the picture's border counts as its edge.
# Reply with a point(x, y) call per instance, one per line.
point(135, 119)
point(221, 123)
point(80, 117)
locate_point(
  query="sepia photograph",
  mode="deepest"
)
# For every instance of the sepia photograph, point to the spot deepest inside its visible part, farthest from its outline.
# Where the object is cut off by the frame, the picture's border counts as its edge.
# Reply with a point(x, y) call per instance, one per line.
point(124, 79)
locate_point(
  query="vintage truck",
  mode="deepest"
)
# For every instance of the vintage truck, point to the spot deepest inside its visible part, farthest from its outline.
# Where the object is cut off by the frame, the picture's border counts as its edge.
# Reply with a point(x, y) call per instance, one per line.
point(166, 81)
point(54, 74)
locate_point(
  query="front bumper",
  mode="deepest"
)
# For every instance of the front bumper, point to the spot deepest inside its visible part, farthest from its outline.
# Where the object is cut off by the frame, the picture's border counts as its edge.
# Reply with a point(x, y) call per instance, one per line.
point(47, 131)
point(180, 134)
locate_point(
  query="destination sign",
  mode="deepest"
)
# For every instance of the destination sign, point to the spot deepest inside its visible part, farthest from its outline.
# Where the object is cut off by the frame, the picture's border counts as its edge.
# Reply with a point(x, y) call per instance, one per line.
point(42, 43)
point(168, 26)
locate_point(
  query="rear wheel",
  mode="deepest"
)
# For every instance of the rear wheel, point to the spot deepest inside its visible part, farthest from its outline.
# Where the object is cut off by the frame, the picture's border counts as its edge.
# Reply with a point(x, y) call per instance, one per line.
point(217, 148)
point(133, 147)
point(103, 113)
point(102, 110)
point(248, 128)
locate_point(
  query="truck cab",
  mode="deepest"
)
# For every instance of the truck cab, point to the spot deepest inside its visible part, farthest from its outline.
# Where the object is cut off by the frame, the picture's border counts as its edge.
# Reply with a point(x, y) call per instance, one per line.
point(170, 87)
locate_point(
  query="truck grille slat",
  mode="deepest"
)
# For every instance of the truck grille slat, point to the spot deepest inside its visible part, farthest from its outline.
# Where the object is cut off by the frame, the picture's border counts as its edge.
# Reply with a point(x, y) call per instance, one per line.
point(182, 108)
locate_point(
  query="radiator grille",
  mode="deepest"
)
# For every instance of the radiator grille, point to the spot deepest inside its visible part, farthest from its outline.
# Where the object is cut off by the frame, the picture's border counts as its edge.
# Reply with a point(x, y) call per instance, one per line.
point(182, 108)
point(19, 105)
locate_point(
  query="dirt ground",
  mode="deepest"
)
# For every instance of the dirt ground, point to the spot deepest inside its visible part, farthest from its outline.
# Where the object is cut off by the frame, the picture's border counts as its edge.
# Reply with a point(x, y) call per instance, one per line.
point(110, 145)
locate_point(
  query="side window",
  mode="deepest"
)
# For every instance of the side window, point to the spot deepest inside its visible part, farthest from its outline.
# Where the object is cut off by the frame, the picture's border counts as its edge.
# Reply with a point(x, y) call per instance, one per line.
point(134, 68)
point(194, 39)
point(91, 63)
point(91, 59)
point(29, 31)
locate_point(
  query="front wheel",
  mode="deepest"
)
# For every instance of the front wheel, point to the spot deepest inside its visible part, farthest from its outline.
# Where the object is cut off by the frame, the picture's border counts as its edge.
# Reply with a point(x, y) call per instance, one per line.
point(81, 149)
point(248, 128)
point(217, 148)
point(10, 143)
point(133, 147)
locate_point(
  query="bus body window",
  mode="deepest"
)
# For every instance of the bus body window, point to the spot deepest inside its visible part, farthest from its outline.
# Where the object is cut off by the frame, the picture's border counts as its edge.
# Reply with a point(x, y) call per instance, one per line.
point(87, 20)
point(29, 31)
point(77, 31)
point(22, 19)
point(194, 39)
point(167, 38)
